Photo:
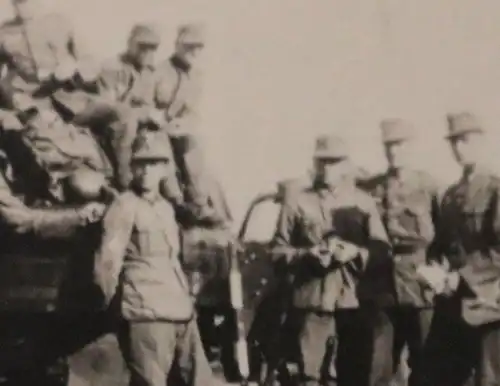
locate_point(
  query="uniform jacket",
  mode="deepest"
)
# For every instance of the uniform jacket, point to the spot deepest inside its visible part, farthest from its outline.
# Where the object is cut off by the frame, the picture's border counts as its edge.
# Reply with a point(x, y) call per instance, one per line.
point(408, 204)
point(120, 81)
point(178, 93)
point(352, 215)
point(469, 235)
point(51, 41)
point(139, 256)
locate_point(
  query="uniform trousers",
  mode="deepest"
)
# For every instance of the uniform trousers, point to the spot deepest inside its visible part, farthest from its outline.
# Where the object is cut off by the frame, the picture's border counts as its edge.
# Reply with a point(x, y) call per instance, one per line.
point(158, 351)
point(359, 341)
point(411, 329)
point(458, 354)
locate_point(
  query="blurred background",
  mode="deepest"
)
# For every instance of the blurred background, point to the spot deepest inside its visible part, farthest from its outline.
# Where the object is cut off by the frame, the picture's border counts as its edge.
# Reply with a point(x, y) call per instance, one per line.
point(278, 72)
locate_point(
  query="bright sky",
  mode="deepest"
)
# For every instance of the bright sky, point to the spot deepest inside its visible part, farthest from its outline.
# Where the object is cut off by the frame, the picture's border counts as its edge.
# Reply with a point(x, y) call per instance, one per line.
point(280, 71)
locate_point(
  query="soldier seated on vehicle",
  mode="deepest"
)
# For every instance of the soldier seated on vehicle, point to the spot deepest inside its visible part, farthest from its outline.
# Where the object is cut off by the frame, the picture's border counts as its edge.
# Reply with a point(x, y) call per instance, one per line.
point(138, 268)
point(40, 50)
point(180, 81)
point(126, 103)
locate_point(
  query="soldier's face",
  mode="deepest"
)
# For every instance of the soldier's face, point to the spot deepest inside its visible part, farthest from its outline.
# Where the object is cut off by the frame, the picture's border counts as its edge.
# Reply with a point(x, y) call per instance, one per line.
point(190, 52)
point(147, 175)
point(331, 171)
point(397, 154)
point(467, 148)
point(144, 54)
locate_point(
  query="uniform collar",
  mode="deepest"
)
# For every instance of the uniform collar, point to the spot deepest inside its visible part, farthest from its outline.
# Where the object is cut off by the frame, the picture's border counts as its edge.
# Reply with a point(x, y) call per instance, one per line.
point(399, 173)
point(325, 190)
point(471, 172)
point(180, 63)
point(128, 59)
point(150, 197)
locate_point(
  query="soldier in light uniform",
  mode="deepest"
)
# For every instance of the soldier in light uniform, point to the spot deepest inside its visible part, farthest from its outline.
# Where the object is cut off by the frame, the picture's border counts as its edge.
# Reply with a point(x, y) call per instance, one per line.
point(408, 203)
point(127, 99)
point(180, 83)
point(138, 265)
point(36, 46)
point(469, 239)
point(357, 292)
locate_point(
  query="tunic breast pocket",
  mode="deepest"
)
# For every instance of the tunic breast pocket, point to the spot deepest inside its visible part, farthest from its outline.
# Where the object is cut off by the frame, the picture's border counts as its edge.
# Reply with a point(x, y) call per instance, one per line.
point(152, 240)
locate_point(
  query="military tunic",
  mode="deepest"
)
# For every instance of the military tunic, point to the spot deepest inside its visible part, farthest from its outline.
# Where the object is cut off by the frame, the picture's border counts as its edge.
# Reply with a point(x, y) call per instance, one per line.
point(469, 238)
point(408, 203)
point(352, 215)
point(122, 82)
point(138, 264)
point(179, 92)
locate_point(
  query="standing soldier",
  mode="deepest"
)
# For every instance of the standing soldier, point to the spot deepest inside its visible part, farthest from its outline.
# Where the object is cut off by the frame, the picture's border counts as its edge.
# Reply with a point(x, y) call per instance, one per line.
point(139, 265)
point(356, 277)
point(408, 204)
point(469, 238)
point(178, 95)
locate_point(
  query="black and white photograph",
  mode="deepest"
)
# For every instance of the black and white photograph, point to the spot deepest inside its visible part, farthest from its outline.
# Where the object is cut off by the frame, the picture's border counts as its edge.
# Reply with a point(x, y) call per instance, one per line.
point(249, 193)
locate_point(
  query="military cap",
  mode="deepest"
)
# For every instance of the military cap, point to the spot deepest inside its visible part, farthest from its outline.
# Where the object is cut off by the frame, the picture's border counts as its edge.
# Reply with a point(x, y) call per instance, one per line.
point(146, 34)
point(192, 34)
point(463, 123)
point(152, 146)
point(396, 130)
point(330, 146)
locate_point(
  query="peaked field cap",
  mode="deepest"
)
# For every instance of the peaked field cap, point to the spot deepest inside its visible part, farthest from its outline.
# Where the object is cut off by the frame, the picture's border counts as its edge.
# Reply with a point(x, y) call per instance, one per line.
point(330, 146)
point(146, 33)
point(463, 123)
point(396, 130)
point(191, 33)
point(152, 146)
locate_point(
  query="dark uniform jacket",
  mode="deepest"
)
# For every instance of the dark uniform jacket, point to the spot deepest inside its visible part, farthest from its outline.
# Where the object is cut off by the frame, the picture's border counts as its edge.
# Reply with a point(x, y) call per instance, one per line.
point(409, 206)
point(352, 215)
point(469, 235)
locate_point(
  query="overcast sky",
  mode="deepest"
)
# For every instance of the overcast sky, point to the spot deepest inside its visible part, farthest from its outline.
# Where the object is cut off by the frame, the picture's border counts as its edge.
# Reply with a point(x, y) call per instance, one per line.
point(280, 71)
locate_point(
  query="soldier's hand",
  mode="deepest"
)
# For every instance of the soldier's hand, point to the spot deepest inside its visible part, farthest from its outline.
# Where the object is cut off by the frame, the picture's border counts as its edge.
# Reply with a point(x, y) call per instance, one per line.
point(65, 70)
point(434, 276)
point(342, 250)
point(323, 255)
point(92, 212)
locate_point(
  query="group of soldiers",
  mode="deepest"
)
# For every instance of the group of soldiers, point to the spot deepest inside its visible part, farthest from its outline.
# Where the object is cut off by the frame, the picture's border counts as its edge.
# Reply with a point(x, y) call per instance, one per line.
point(142, 115)
point(375, 266)
point(386, 262)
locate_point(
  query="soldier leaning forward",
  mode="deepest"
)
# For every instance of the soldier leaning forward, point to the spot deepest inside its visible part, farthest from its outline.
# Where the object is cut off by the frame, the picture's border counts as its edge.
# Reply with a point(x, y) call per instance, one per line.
point(360, 288)
point(408, 203)
point(139, 266)
point(126, 101)
point(465, 337)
